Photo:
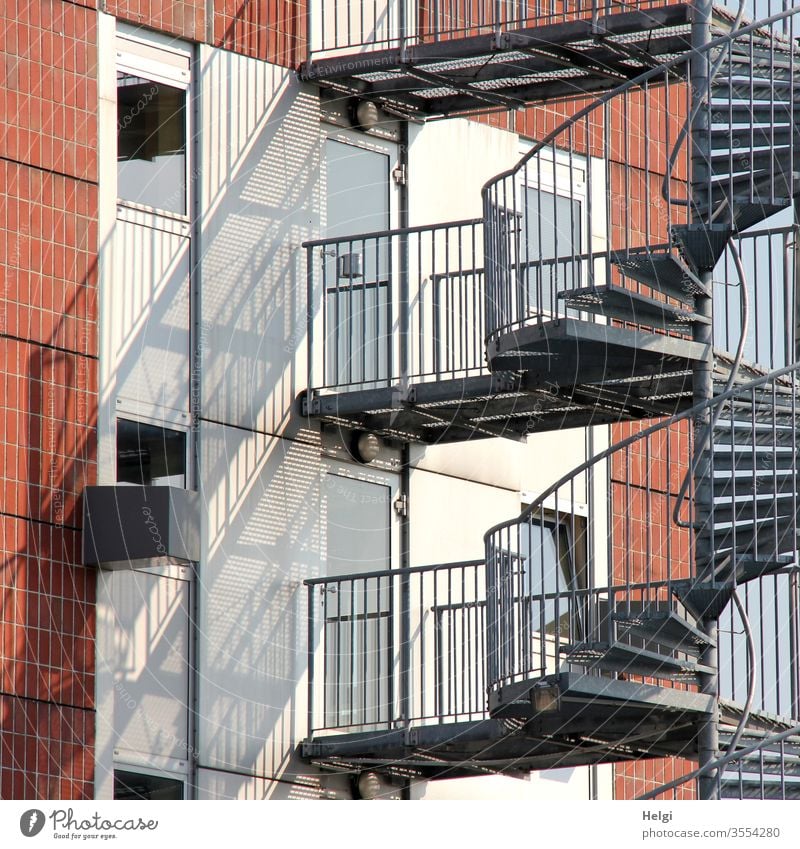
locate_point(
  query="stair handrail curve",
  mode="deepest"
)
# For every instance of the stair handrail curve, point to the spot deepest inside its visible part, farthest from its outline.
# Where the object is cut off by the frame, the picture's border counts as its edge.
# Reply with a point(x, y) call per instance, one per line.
point(512, 304)
point(645, 76)
point(505, 546)
point(537, 504)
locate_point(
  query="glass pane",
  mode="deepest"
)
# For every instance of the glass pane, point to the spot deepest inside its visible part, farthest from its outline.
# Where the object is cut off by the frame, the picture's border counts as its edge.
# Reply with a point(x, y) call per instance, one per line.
point(134, 785)
point(151, 143)
point(549, 571)
point(551, 235)
point(148, 455)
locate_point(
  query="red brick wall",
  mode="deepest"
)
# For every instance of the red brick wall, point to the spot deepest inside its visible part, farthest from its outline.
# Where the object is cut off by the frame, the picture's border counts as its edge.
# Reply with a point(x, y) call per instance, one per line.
point(182, 18)
point(48, 396)
point(273, 30)
point(634, 779)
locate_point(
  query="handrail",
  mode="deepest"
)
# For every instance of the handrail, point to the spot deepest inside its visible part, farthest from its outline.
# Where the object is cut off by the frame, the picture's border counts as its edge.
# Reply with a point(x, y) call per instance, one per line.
point(633, 83)
point(391, 573)
point(396, 231)
point(538, 503)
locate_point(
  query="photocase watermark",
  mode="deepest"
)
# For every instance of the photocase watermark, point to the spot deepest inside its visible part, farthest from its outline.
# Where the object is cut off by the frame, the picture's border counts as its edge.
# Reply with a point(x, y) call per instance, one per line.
point(65, 825)
point(152, 527)
point(32, 822)
point(137, 108)
point(156, 727)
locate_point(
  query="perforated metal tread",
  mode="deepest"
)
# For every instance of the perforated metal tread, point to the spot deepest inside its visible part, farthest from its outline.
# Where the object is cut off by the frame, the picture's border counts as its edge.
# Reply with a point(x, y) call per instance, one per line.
point(621, 304)
point(619, 657)
point(661, 270)
point(664, 627)
point(506, 69)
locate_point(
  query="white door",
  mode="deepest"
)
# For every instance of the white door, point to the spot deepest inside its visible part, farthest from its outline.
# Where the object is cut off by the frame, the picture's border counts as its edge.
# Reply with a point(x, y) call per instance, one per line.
point(359, 296)
point(359, 610)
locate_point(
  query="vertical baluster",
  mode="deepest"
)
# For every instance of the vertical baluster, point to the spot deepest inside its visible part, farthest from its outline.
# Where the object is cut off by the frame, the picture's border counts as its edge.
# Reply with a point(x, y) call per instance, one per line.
point(310, 723)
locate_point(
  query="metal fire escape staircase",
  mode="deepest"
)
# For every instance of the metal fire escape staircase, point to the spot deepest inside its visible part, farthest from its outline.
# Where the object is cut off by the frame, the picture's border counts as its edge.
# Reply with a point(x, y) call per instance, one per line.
point(660, 659)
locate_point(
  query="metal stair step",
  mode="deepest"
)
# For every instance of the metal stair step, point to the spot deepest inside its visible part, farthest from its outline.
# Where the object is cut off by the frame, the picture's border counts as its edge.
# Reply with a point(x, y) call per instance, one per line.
point(619, 657)
point(701, 244)
point(764, 188)
point(757, 61)
point(746, 482)
point(664, 628)
point(780, 524)
point(766, 539)
point(743, 86)
point(783, 406)
point(755, 789)
point(750, 427)
point(742, 456)
point(751, 764)
point(747, 509)
point(663, 271)
point(753, 114)
point(775, 159)
point(748, 568)
point(747, 214)
point(748, 138)
point(702, 599)
point(617, 302)
point(754, 499)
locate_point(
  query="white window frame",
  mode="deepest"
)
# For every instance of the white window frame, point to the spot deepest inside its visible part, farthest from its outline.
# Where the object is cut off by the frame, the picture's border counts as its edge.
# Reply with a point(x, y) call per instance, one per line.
point(557, 176)
point(157, 767)
point(168, 62)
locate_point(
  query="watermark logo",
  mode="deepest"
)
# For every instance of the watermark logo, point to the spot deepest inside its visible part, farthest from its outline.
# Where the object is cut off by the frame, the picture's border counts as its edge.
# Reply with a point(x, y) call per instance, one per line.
point(32, 822)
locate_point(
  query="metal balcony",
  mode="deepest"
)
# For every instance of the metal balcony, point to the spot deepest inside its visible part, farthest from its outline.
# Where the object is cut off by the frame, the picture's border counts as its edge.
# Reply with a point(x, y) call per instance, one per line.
point(397, 340)
point(398, 681)
point(420, 60)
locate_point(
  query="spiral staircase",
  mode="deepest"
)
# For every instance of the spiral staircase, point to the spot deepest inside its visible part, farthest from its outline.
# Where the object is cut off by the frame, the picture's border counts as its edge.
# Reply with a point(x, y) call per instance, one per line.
point(662, 620)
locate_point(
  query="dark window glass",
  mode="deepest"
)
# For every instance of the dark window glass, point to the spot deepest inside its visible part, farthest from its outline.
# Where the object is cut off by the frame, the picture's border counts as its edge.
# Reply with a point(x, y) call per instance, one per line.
point(151, 143)
point(134, 785)
point(150, 455)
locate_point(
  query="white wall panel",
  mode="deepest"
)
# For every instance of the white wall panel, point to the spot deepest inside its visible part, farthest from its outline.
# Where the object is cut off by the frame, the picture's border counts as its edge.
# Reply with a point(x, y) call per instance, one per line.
point(261, 531)
point(142, 669)
point(450, 516)
point(449, 161)
point(259, 187)
point(146, 312)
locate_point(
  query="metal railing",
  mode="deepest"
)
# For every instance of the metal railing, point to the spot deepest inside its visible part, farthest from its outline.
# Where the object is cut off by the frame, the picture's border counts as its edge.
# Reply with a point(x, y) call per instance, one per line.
point(770, 262)
point(554, 585)
point(396, 305)
point(397, 646)
point(357, 25)
point(616, 181)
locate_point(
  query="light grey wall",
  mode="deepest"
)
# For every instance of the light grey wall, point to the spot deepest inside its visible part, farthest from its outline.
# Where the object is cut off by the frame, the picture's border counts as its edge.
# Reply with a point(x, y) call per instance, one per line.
point(260, 199)
point(261, 536)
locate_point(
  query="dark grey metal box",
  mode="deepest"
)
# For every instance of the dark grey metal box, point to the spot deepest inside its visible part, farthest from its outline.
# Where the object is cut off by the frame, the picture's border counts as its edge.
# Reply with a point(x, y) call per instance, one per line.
point(124, 525)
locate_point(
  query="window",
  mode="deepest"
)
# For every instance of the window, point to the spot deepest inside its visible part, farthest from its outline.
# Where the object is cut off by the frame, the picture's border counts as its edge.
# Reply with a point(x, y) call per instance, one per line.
point(551, 242)
point(136, 785)
point(149, 455)
point(153, 79)
point(151, 143)
point(553, 566)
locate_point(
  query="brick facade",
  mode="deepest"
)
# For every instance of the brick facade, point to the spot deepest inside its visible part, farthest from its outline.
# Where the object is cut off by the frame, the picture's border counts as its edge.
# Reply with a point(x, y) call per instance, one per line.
point(48, 396)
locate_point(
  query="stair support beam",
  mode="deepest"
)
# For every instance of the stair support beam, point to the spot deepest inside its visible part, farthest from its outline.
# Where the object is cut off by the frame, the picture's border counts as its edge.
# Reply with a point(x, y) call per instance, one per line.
point(703, 390)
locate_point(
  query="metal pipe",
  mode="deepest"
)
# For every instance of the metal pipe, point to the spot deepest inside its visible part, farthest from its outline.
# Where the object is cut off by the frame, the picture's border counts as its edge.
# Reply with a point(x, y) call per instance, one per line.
point(702, 391)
